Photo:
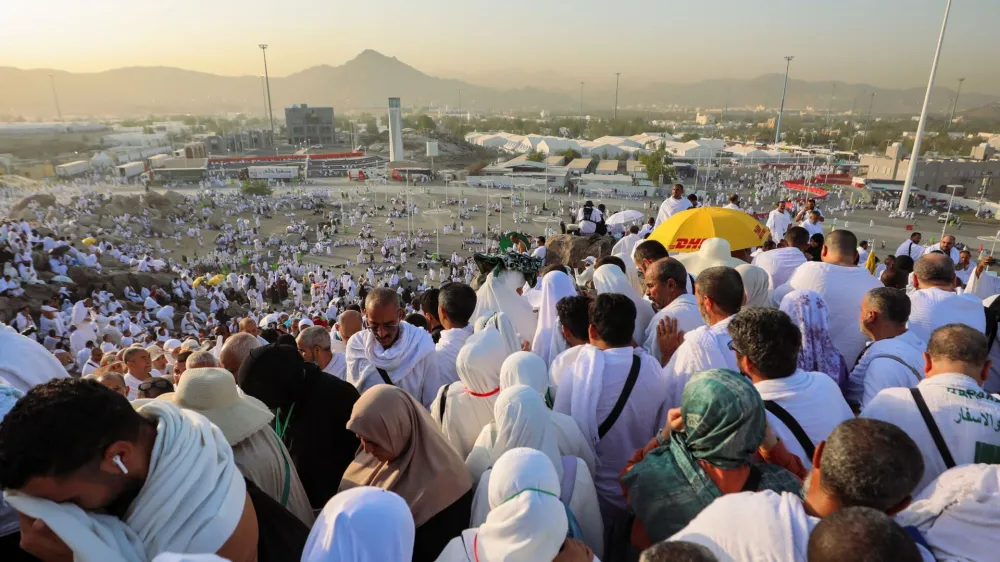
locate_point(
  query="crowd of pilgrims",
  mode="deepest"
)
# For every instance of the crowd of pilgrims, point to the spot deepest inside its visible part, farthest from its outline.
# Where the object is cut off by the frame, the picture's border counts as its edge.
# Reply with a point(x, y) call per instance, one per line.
point(797, 402)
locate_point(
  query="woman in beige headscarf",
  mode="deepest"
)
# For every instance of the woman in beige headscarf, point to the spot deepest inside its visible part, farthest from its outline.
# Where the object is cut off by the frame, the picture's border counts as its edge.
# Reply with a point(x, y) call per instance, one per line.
point(402, 451)
point(755, 285)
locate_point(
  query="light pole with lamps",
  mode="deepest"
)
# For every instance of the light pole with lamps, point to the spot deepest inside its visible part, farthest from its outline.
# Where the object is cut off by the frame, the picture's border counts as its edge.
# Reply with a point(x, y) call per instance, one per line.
point(954, 109)
point(52, 82)
point(868, 123)
point(911, 170)
point(615, 118)
point(784, 90)
point(270, 109)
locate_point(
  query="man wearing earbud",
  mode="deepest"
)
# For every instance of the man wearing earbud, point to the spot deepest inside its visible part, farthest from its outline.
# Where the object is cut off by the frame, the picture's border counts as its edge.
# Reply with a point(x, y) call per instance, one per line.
point(161, 478)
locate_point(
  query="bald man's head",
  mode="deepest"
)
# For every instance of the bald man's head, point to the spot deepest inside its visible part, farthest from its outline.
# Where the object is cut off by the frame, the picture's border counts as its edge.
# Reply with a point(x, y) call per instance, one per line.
point(840, 247)
point(248, 326)
point(348, 324)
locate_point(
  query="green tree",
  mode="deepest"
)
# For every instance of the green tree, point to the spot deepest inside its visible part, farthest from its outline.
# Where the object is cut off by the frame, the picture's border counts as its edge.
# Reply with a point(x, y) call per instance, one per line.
point(425, 123)
point(255, 187)
point(658, 165)
point(535, 156)
point(569, 154)
point(690, 137)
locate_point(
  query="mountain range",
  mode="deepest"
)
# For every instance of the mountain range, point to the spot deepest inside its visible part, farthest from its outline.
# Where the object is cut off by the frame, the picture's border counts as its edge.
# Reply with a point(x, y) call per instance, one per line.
point(366, 81)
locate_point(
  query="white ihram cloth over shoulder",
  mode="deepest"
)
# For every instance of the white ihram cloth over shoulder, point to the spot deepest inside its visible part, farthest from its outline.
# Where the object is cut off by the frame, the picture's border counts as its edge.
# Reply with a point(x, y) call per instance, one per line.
point(409, 362)
point(780, 264)
point(469, 403)
point(610, 279)
point(523, 420)
point(758, 526)
point(910, 248)
point(876, 371)
point(813, 399)
point(624, 247)
point(589, 390)
point(548, 341)
point(683, 309)
point(669, 208)
point(499, 294)
point(778, 223)
point(958, 514)
point(562, 364)
point(363, 524)
point(528, 369)
point(526, 519)
point(960, 409)
point(191, 502)
point(704, 348)
point(25, 363)
point(843, 288)
point(932, 308)
point(446, 351)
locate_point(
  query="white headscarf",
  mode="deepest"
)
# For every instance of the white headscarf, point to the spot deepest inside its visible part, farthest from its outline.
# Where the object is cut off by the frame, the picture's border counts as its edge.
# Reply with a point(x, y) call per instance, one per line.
point(363, 524)
point(499, 294)
point(609, 279)
point(469, 406)
point(526, 521)
point(522, 420)
point(548, 341)
point(24, 363)
point(755, 286)
point(502, 323)
point(525, 368)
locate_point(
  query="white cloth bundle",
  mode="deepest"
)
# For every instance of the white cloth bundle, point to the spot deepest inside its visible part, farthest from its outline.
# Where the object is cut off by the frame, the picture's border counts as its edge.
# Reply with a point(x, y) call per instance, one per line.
point(191, 502)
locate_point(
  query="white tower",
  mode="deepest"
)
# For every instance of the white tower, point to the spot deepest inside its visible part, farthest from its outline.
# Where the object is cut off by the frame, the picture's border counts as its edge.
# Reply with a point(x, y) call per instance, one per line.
point(395, 131)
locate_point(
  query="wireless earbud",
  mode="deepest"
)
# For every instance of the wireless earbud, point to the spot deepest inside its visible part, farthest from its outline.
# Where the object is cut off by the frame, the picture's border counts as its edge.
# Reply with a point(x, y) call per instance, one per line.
point(118, 462)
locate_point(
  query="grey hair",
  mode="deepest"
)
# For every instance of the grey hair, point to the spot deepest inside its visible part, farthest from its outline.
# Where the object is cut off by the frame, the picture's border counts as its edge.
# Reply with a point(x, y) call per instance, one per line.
point(677, 551)
point(201, 359)
point(958, 342)
point(237, 348)
point(380, 296)
point(315, 336)
point(870, 463)
point(873, 536)
point(893, 303)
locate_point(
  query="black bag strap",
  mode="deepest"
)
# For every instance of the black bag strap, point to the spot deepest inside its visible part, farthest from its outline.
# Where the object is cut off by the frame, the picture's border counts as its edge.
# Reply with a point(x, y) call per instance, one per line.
point(796, 429)
point(385, 376)
point(753, 480)
point(443, 402)
point(633, 375)
point(899, 360)
point(932, 427)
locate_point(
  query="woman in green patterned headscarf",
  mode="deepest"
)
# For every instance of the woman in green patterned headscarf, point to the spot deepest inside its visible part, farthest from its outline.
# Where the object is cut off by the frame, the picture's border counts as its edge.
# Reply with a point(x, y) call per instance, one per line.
point(724, 425)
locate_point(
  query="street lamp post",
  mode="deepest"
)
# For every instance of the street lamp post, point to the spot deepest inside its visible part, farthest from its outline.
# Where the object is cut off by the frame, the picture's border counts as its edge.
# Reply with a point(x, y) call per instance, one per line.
point(911, 170)
point(784, 90)
point(581, 104)
point(868, 122)
point(55, 96)
point(270, 109)
point(954, 109)
point(617, 76)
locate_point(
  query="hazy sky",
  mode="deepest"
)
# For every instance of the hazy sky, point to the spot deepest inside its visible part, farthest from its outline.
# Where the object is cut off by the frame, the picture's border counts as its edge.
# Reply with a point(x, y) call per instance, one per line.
point(883, 42)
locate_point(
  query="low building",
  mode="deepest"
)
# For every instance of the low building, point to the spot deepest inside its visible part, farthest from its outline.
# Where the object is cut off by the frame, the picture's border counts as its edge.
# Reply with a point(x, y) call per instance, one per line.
point(933, 175)
point(607, 167)
point(309, 125)
point(704, 119)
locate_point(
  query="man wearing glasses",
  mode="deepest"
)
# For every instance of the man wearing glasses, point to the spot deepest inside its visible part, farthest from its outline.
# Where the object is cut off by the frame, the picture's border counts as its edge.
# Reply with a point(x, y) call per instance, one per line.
point(392, 351)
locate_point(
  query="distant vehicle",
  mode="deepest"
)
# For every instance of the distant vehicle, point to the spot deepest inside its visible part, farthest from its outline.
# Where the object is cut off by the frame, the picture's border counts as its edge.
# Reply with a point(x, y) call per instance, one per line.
point(949, 217)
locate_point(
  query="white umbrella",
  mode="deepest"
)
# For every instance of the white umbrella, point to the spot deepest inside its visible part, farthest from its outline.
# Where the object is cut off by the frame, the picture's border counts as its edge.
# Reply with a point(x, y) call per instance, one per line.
point(625, 217)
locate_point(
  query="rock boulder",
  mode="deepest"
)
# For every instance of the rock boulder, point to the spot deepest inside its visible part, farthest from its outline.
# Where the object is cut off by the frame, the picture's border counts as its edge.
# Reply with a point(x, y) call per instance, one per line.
point(568, 249)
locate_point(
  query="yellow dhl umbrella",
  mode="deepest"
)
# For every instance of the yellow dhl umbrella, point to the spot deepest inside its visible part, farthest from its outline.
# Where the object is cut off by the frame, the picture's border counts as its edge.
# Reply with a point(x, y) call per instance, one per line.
point(685, 231)
point(198, 281)
point(90, 240)
point(216, 280)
